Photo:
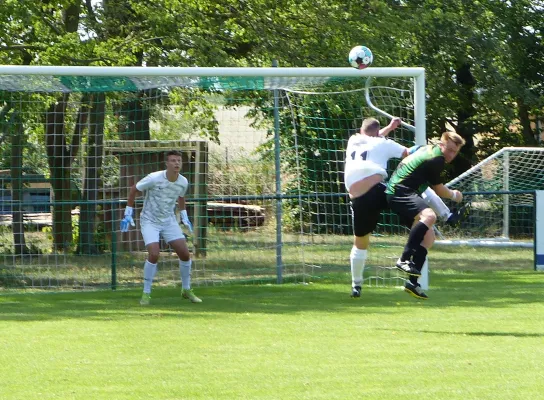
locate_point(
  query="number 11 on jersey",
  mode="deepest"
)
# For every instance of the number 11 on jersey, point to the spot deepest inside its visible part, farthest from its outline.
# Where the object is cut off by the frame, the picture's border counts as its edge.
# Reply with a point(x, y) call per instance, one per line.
point(363, 155)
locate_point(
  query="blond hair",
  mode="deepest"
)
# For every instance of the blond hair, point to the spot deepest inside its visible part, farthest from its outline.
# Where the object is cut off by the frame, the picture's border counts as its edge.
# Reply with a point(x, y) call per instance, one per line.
point(370, 126)
point(454, 137)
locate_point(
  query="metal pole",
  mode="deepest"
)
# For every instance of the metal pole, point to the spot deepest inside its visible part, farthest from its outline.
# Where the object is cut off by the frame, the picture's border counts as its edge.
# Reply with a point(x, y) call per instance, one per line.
point(419, 118)
point(506, 197)
point(539, 230)
point(113, 247)
point(277, 144)
point(60, 70)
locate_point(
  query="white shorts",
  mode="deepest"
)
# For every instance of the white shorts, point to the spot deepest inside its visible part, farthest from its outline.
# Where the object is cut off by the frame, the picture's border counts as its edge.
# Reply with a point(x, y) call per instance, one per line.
point(151, 232)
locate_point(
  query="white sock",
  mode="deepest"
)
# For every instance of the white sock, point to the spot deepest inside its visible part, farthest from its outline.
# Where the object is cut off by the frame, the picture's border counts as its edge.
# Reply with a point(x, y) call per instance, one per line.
point(185, 273)
point(436, 203)
point(149, 273)
point(357, 258)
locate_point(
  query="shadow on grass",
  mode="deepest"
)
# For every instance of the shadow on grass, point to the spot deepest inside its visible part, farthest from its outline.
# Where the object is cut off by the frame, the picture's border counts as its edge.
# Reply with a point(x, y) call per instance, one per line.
point(480, 333)
point(488, 334)
point(484, 289)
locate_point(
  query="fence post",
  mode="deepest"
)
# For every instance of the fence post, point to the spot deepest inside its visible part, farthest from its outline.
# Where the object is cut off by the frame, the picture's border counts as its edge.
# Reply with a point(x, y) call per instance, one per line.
point(424, 278)
point(539, 230)
point(279, 202)
point(114, 214)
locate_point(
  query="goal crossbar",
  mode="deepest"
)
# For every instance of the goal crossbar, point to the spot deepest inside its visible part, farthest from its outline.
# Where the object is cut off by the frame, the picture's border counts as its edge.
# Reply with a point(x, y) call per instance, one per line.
point(209, 71)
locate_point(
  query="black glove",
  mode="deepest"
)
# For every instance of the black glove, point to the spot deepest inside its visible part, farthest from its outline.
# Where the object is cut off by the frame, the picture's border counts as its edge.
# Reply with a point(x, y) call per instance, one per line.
point(458, 214)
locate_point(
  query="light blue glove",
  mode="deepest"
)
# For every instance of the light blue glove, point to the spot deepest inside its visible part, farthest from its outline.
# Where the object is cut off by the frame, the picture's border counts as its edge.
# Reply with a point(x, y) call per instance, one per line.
point(185, 220)
point(125, 222)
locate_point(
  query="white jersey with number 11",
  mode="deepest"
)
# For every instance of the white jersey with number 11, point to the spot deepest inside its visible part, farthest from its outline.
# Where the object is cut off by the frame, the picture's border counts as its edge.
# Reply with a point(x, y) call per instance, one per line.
point(368, 155)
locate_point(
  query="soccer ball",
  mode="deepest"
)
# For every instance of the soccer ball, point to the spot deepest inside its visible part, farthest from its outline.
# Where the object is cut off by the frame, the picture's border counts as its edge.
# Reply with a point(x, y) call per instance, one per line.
point(360, 57)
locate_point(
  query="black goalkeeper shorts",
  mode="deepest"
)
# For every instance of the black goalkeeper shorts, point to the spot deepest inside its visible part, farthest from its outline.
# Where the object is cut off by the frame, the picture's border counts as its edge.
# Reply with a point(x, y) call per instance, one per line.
point(407, 204)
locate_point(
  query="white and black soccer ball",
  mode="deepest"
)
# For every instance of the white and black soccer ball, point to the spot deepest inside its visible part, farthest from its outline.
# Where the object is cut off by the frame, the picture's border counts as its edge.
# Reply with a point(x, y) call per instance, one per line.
point(360, 57)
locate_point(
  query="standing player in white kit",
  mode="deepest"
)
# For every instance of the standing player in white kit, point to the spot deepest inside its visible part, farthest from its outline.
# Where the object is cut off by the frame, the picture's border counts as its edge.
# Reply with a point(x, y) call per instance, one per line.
point(162, 190)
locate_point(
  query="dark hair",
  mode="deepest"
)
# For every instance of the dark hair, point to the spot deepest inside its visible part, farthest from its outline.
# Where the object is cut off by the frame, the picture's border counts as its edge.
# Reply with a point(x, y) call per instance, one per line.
point(172, 153)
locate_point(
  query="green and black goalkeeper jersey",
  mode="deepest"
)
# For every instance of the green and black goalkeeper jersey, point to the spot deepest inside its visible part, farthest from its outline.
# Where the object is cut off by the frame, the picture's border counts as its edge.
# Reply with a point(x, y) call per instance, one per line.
point(419, 170)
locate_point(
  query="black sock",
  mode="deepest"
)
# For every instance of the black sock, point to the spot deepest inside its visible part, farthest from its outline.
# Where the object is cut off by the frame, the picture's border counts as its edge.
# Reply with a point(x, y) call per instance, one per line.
point(413, 280)
point(417, 233)
point(419, 257)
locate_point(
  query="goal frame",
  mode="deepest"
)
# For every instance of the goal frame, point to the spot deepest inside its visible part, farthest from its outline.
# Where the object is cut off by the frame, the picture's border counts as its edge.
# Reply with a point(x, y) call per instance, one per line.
point(415, 73)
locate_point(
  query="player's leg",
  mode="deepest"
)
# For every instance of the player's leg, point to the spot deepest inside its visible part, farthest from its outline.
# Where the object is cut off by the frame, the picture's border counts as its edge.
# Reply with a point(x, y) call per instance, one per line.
point(412, 286)
point(357, 260)
point(358, 252)
point(409, 206)
point(151, 237)
point(419, 251)
point(177, 241)
point(424, 222)
point(366, 211)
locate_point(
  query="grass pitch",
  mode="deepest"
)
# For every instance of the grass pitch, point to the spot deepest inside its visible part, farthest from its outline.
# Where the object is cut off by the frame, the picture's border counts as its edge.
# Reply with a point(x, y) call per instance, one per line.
point(479, 336)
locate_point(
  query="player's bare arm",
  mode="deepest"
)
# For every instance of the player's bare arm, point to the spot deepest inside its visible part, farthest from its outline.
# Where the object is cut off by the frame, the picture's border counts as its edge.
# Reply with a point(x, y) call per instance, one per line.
point(132, 193)
point(183, 214)
point(128, 219)
point(394, 124)
point(181, 203)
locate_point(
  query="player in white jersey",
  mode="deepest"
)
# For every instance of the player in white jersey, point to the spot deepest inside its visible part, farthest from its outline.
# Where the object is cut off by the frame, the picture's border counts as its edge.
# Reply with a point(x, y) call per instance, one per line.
point(367, 155)
point(163, 189)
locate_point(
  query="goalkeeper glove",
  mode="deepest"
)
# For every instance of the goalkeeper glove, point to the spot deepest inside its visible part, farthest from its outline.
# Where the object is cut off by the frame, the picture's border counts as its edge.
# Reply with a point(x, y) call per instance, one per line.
point(125, 222)
point(458, 214)
point(185, 220)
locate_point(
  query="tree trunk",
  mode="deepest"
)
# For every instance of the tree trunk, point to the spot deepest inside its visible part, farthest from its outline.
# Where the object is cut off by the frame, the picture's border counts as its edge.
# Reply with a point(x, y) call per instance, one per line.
point(466, 126)
point(529, 136)
point(134, 119)
point(58, 157)
point(17, 144)
point(95, 142)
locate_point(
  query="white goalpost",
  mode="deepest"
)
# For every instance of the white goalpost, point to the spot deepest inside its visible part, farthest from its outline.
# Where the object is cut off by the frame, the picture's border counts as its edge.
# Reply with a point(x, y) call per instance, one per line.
point(501, 192)
point(504, 194)
point(539, 234)
point(262, 208)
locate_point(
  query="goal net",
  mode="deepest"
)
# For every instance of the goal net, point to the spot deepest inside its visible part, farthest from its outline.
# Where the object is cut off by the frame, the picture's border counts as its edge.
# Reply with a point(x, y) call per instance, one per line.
point(501, 193)
point(263, 150)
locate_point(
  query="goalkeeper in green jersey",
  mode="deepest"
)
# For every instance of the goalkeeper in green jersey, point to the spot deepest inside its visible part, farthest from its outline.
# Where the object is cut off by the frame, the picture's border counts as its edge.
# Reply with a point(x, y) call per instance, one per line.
point(413, 175)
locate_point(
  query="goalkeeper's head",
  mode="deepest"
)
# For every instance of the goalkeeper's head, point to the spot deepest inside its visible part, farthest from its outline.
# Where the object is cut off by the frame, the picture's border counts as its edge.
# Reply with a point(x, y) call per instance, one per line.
point(370, 127)
point(450, 144)
point(173, 161)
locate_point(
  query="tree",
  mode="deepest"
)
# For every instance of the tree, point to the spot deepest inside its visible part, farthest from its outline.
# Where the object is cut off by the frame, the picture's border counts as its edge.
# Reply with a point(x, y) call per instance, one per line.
point(95, 145)
point(522, 59)
point(484, 61)
point(17, 143)
point(478, 56)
